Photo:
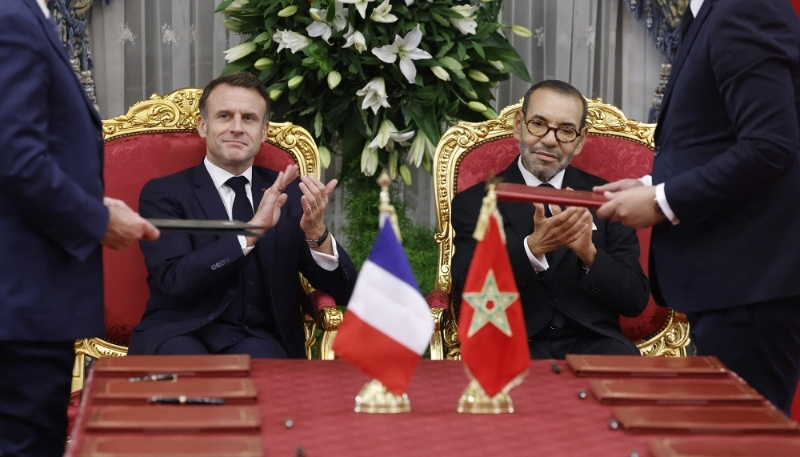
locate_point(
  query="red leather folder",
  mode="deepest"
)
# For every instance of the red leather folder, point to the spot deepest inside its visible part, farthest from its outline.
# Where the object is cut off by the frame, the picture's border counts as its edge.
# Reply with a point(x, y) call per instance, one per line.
point(161, 446)
point(762, 447)
point(628, 365)
point(681, 391)
point(703, 419)
point(182, 365)
point(531, 194)
point(122, 391)
point(173, 419)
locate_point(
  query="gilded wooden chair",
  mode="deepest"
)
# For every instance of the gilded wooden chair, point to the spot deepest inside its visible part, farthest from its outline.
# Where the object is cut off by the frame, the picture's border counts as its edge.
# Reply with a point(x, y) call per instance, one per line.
point(157, 137)
point(615, 148)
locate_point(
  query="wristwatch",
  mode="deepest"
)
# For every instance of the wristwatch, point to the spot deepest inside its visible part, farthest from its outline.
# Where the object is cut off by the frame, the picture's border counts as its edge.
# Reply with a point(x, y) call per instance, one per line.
point(318, 243)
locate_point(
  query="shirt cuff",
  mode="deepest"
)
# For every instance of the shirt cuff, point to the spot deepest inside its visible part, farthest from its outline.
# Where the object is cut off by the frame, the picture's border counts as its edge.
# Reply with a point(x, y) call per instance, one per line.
point(646, 180)
point(243, 243)
point(326, 261)
point(661, 199)
point(538, 264)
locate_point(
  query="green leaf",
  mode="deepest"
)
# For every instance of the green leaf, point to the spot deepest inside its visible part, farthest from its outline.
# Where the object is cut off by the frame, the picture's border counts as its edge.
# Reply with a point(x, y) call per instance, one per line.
point(222, 6)
point(237, 66)
point(462, 51)
point(451, 63)
point(479, 49)
point(519, 69)
point(318, 124)
point(425, 119)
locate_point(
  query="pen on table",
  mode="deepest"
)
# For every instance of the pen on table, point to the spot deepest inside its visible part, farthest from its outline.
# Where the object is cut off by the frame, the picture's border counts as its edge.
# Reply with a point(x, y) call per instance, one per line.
point(155, 377)
point(184, 400)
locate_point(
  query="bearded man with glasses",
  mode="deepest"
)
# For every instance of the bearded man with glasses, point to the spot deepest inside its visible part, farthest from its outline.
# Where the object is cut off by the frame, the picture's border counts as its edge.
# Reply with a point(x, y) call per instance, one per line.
point(575, 273)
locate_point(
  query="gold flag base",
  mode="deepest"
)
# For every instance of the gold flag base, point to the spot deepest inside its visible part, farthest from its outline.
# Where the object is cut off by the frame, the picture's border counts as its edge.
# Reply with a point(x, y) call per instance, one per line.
point(375, 398)
point(475, 401)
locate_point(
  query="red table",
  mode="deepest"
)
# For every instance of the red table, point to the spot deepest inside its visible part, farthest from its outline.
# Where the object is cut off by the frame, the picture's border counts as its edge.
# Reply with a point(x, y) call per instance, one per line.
point(550, 419)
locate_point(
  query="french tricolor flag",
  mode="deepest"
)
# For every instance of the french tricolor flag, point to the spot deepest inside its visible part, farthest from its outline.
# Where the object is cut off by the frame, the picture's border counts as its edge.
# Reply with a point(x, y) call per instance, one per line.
point(388, 323)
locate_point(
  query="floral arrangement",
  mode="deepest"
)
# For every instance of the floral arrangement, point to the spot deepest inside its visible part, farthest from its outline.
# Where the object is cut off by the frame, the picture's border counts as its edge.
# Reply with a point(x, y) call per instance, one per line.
point(376, 79)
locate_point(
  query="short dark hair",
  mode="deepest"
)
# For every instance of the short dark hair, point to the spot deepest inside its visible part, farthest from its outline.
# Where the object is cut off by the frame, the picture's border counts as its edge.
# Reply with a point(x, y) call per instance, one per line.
point(240, 79)
point(559, 87)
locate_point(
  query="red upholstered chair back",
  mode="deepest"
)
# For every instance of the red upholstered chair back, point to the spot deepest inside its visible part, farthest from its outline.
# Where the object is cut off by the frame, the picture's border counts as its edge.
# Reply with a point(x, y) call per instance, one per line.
point(155, 138)
point(615, 148)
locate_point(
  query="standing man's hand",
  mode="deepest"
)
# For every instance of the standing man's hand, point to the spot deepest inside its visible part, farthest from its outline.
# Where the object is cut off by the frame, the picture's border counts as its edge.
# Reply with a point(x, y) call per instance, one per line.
point(269, 209)
point(125, 225)
point(314, 201)
point(634, 207)
point(618, 186)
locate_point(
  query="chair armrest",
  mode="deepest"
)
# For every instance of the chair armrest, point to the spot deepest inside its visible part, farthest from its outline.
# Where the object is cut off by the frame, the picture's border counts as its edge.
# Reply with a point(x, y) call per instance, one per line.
point(439, 302)
point(328, 317)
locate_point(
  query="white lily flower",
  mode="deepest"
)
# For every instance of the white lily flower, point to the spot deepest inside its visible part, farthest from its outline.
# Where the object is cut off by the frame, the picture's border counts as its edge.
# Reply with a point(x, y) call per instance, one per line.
point(361, 6)
point(239, 51)
point(292, 40)
point(388, 136)
point(321, 28)
point(369, 160)
point(420, 148)
point(374, 94)
point(356, 39)
point(236, 5)
point(468, 24)
point(382, 13)
point(406, 49)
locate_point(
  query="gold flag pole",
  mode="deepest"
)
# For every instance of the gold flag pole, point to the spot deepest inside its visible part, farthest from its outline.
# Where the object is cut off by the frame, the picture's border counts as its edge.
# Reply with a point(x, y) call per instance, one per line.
point(374, 397)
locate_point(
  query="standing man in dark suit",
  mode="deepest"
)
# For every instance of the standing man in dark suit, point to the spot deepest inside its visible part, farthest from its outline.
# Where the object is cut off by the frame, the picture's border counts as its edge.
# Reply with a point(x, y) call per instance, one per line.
point(53, 218)
point(725, 190)
point(223, 295)
point(576, 273)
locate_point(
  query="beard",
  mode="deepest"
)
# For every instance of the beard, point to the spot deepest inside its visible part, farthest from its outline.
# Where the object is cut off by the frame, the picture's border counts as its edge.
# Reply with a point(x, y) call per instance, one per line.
point(543, 173)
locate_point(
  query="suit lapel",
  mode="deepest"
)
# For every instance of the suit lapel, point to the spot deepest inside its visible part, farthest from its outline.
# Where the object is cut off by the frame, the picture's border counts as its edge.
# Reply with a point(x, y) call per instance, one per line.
point(265, 246)
point(683, 51)
point(208, 196)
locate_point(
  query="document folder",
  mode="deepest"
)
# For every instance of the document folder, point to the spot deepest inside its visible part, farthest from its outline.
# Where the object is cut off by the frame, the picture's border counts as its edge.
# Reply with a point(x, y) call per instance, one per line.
point(182, 365)
point(122, 391)
point(162, 446)
point(761, 447)
point(532, 194)
point(703, 419)
point(628, 366)
point(173, 419)
point(622, 391)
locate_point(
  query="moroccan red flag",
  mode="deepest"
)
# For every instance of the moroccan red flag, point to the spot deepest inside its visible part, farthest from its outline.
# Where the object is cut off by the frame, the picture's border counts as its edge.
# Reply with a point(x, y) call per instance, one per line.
point(494, 345)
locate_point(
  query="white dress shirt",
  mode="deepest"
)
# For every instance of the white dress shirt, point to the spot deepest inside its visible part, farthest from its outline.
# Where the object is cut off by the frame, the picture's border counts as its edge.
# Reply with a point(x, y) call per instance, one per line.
point(43, 6)
point(220, 177)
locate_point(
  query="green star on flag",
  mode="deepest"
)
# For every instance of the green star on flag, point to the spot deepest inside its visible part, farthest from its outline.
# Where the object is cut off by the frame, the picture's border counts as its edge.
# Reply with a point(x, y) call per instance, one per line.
point(484, 313)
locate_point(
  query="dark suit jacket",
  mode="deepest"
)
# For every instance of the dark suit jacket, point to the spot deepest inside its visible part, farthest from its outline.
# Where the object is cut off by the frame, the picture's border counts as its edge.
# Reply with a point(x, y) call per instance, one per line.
point(193, 277)
point(614, 285)
point(728, 151)
point(52, 216)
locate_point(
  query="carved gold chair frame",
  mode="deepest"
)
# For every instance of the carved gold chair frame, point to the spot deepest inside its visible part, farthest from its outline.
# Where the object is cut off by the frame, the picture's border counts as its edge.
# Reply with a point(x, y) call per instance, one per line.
point(177, 112)
point(603, 120)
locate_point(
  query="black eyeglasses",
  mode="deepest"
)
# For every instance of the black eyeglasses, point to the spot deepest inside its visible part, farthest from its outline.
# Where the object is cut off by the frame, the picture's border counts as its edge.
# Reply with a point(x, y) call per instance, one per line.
point(563, 134)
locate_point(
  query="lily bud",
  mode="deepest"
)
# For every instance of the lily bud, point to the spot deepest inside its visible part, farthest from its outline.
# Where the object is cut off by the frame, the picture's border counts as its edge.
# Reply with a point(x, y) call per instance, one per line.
point(394, 158)
point(334, 78)
point(314, 15)
point(288, 11)
point(405, 173)
point(477, 106)
point(441, 73)
point(471, 94)
point(239, 51)
point(519, 30)
point(324, 156)
point(232, 25)
point(275, 94)
point(263, 63)
point(478, 75)
point(295, 81)
point(369, 160)
point(490, 113)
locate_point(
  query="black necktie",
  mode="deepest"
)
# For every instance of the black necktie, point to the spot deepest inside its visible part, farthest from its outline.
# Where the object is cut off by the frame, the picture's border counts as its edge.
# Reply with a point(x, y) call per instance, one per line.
point(548, 213)
point(242, 209)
